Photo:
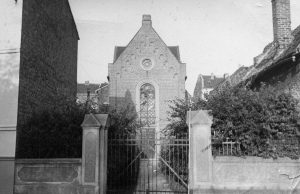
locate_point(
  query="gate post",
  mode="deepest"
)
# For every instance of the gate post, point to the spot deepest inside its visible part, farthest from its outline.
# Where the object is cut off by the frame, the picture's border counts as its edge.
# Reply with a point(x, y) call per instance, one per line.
point(200, 154)
point(94, 153)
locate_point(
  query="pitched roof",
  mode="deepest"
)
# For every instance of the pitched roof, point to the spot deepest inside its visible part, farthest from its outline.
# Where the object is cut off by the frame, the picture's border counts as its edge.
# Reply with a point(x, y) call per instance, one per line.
point(294, 44)
point(284, 57)
point(175, 51)
point(119, 49)
point(271, 57)
point(211, 81)
point(82, 88)
point(207, 82)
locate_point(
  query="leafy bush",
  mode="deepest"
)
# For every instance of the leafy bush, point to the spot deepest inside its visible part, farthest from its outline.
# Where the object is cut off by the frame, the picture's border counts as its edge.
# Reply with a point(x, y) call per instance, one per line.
point(258, 120)
point(121, 150)
point(123, 121)
point(53, 132)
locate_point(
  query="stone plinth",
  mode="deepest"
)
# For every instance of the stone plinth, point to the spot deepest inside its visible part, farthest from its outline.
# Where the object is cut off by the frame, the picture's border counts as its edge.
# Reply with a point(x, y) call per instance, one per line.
point(94, 153)
point(51, 176)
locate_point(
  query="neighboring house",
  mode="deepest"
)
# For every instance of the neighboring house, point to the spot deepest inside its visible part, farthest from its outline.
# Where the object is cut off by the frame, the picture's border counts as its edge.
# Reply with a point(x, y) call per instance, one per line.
point(98, 95)
point(83, 89)
point(285, 68)
point(147, 74)
point(48, 67)
point(48, 61)
point(279, 59)
point(206, 83)
point(103, 94)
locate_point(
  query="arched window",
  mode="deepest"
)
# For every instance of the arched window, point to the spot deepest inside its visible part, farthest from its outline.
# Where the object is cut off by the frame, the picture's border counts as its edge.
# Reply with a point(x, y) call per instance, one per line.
point(147, 104)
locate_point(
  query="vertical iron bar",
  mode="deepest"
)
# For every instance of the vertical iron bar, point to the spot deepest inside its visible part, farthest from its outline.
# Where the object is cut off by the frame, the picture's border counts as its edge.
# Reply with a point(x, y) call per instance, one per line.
point(223, 148)
point(156, 163)
point(227, 144)
point(148, 176)
point(169, 156)
point(127, 159)
point(178, 161)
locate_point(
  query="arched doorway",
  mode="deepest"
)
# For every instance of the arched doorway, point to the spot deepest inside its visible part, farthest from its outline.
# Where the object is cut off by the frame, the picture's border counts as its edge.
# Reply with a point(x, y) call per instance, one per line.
point(147, 105)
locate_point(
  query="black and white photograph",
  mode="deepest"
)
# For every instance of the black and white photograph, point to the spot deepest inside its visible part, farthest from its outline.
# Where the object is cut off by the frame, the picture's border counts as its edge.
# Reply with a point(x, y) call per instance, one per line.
point(149, 97)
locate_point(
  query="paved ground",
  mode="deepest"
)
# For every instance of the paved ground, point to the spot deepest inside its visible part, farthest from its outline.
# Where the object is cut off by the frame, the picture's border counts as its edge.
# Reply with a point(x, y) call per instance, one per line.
point(150, 177)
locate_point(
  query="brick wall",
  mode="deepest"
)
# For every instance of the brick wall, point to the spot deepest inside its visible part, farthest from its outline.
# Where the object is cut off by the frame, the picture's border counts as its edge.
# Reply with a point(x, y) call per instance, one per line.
point(282, 22)
point(48, 61)
point(127, 75)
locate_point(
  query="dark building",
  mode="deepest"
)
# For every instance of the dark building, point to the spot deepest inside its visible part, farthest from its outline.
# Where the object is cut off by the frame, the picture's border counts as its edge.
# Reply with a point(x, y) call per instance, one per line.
point(284, 68)
point(279, 62)
point(48, 56)
point(83, 89)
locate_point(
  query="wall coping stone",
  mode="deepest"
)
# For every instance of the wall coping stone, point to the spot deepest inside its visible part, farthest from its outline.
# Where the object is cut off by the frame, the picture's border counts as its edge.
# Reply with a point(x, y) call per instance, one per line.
point(7, 158)
point(49, 161)
point(253, 159)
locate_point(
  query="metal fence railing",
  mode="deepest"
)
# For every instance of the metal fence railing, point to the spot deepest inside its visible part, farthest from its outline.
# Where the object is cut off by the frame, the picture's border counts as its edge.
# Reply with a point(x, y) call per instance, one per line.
point(232, 148)
point(226, 148)
point(147, 163)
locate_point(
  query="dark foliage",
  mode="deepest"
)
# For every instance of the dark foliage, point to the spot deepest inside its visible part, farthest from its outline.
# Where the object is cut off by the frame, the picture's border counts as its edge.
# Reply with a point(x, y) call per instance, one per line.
point(53, 132)
point(122, 171)
point(260, 121)
point(123, 122)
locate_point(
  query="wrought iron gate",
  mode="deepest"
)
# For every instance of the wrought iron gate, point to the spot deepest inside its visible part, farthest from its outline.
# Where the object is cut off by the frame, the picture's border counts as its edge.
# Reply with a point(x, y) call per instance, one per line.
point(142, 164)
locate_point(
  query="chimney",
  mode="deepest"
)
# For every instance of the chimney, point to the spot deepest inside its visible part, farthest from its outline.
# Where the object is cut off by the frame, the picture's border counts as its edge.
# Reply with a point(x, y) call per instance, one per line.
point(147, 20)
point(282, 22)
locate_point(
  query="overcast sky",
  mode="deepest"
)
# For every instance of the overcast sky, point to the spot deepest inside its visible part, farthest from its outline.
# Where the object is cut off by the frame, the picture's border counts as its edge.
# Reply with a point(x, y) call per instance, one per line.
point(214, 36)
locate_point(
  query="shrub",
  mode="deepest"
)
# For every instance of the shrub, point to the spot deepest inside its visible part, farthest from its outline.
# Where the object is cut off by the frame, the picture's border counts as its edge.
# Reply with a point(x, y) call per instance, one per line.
point(123, 149)
point(53, 132)
point(123, 121)
point(257, 120)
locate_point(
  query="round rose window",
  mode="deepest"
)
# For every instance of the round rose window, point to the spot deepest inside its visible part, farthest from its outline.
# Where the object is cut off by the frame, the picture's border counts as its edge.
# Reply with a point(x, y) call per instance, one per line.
point(147, 64)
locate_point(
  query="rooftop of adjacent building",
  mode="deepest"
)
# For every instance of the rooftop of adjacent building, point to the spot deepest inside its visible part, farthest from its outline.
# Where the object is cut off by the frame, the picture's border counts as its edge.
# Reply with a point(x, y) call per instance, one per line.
point(286, 44)
point(83, 87)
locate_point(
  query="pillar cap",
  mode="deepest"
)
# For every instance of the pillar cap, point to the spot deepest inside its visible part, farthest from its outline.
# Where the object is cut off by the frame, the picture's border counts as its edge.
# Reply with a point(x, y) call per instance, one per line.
point(201, 117)
point(95, 120)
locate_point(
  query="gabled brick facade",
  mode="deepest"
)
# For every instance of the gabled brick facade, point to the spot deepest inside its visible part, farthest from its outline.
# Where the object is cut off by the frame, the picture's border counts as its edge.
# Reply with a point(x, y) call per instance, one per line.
point(147, 59)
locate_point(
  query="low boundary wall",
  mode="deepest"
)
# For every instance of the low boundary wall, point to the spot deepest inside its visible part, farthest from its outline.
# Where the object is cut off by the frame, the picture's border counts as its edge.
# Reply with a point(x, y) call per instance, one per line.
point(229, 174)
point(6, 175)
point(86, 175)
point(59, 176)
point(7, 158)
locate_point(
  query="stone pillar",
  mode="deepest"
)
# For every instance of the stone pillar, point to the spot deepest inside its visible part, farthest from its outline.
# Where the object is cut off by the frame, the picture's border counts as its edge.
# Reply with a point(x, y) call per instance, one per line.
point(200, 154)
point(94, 153)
